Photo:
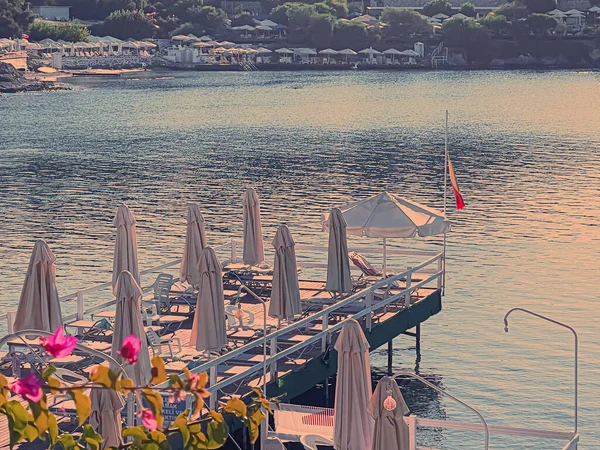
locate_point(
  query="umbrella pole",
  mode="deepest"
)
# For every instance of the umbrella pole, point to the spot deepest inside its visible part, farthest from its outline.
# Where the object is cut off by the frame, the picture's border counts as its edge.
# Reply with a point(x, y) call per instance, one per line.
point(384, 257)
point(445, 191)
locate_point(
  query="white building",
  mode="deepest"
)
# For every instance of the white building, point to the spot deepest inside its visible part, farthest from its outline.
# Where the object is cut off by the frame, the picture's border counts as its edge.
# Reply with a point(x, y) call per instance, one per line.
point(52, 12)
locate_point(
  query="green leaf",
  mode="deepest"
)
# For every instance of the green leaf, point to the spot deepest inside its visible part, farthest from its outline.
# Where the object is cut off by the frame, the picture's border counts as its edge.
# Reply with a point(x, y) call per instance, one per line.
point(67, 441)
point(104, 376)
point(199, 441)
point(52, 428)
point(48, 371)
point(135, 432)
point(158, 370)
point(182, 425)
point(89, 433)
point(30, 433)
point(155, 401)
point(94, 445)
point(216, 416)
point(40, 415)
point(54, 384)
point(83, 405)
point(17, 421)
point(236, 406)
point(126, 384)
point(217, 434)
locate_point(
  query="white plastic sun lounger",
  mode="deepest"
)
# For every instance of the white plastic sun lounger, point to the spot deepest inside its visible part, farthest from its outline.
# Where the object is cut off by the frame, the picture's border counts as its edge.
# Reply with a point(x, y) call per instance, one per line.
point(308, 425)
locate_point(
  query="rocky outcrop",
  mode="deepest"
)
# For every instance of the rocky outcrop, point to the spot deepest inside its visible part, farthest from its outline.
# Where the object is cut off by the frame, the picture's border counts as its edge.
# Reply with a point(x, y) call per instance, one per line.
point(11, 80)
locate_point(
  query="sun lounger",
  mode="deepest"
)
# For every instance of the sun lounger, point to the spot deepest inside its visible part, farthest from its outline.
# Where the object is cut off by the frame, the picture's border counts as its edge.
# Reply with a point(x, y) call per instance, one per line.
point(309, 425)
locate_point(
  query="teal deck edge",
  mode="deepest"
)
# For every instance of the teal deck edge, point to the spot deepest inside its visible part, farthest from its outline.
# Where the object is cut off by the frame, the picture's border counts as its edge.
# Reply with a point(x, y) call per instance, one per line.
point(298, 382)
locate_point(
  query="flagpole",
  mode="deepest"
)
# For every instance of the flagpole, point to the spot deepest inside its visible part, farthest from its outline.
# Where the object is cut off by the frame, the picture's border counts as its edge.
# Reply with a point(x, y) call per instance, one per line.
point(445, 202)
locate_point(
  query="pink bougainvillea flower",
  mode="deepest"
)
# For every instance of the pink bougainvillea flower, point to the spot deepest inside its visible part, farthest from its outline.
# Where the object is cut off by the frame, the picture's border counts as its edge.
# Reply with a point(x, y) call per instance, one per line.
point(30, 388)
point(59, 345)
point(130, 349)
point(148, 419)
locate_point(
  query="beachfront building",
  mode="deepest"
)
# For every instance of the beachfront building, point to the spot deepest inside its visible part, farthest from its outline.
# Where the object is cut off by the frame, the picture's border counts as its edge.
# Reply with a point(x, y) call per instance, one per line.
point(61, 13)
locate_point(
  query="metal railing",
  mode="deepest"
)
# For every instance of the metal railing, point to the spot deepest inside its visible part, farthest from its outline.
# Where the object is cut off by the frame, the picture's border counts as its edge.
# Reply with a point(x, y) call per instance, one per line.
point(414, 422)
point(325, 336)
point(432, 269)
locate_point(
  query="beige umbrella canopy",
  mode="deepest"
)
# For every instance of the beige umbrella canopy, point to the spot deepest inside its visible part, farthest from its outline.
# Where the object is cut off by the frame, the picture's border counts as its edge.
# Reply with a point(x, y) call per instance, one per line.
point(285, 294)
point(125, 245)
point(338, 265)
point(254, 252)
point(353, 427)
point(128, 320)
point(105, 417)
point(39, 306)
point(208, 329)
point(195, 241)
point(387, 407)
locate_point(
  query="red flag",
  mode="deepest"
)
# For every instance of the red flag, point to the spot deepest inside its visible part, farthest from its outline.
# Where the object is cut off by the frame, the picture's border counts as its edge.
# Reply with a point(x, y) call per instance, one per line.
point(460, 204)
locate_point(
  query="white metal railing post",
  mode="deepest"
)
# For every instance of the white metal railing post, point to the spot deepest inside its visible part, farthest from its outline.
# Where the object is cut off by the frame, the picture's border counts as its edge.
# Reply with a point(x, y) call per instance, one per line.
point(273, 352)
point(233, 251)
point(10, 321)
point(408, 283)
point(325, 325)
point(369, 299)
point(412, 432)
point(213, 380)
point(80, 301)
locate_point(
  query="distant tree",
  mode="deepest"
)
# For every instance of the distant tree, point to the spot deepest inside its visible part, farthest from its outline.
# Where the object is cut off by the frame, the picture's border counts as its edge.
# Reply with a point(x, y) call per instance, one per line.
point(468, 35)
point(496, 23)
point(106, 7)
point(182, 8)
point(67, 32)
point(512, 11)
point(13, 19)
point(320, 28)
point(206, 19)
point(279, 13)
point(348, 34)
point(540, 6)
point(324, 8)
point(340, 7)
point(468, 9)
point(541, 24)
point(403, 22)
point(244, 18)
point(128, 24)
point(299, 16)
point(433, 7)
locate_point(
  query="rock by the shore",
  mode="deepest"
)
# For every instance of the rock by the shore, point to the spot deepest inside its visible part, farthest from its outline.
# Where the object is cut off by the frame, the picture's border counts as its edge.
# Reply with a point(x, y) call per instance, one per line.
point(11, 81)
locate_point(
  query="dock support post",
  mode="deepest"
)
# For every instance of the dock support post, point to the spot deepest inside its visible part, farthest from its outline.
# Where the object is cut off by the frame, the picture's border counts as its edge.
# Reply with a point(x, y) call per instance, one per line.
point(233, 251)
point(326, 386)
point(412, 432)
point(390, 353)
point(418, 341)
point(325, 324)
point(408, 284)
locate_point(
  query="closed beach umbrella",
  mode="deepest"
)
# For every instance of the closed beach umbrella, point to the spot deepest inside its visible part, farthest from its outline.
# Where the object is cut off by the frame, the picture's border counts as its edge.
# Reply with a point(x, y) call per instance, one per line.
point(254, 252)
point(285, 294)
point(387, 407)
point(105, 417)
point(125, 246)
point(128, 320)
point(338, 265)
point(208, 329)
point(39, 307)
point(195, 241)
point(353, 426)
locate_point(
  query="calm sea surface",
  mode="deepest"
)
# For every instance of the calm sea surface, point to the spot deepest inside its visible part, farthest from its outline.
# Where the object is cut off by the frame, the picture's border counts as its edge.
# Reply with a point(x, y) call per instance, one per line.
point(526, 150)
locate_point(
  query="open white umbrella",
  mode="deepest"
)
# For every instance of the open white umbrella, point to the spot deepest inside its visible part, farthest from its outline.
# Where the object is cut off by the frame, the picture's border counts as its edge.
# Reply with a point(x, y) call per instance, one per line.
point(285, 293)
point(128, 320)
point(195, 241)
point(254, 252)
point(39, 306)
point(338, 265)
point(125, 257)
point(387, 407)
point(208, 329)
point(105, 416)
point(388, 215)
point(353, 427)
